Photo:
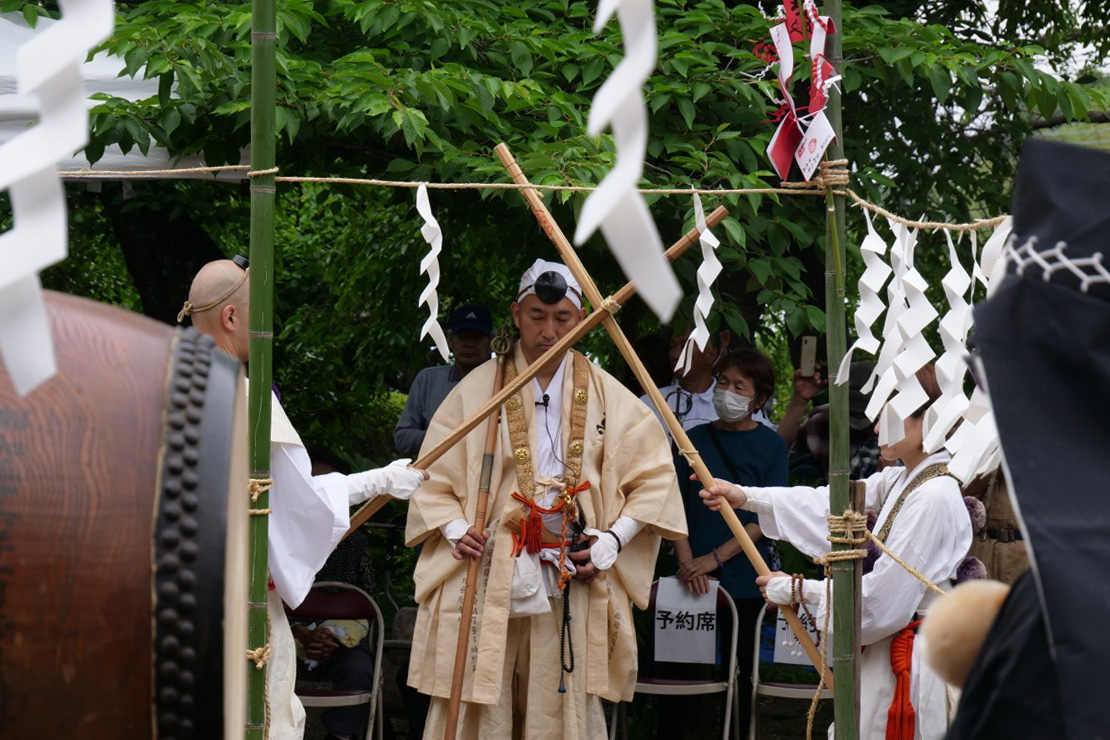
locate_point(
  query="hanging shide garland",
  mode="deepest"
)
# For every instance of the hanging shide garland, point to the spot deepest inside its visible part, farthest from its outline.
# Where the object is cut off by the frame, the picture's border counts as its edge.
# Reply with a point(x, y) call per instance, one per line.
point(48, 67)
point(432, 234)
point(616, 207)
point(962, 425)
point(707, 274)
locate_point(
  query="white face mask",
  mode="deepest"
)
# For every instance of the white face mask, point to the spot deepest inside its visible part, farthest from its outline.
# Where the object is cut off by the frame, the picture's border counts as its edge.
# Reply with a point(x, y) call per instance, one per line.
point(730, 407)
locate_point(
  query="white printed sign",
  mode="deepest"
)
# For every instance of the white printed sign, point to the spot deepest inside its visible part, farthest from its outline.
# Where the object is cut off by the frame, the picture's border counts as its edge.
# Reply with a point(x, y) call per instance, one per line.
point(685, 623)
point(816, 140)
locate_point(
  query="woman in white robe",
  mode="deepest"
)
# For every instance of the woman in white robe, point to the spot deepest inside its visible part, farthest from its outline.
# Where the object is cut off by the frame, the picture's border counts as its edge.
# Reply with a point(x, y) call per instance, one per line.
point(931, 532)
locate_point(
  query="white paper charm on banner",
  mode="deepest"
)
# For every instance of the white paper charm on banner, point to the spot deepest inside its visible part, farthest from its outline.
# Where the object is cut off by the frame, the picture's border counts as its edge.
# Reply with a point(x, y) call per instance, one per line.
point(870, 306)
point(813, 145)
point(708, 271)
point(951, 367)
point(48, 69)
point(685, 623)
point(616, 207)
point(432, 234)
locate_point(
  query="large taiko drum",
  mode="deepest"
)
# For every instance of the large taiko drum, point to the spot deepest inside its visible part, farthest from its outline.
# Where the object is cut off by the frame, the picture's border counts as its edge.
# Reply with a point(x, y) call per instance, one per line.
point(123, 557)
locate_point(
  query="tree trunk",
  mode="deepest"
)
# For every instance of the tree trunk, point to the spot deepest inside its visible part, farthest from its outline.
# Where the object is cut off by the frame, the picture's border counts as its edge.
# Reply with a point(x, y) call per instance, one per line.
point(162, 253)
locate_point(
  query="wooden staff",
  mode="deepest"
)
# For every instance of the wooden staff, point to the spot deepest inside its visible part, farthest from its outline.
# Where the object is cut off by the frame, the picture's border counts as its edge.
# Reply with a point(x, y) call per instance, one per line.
point(601, 310)
point(503, 348)
point(570, 257)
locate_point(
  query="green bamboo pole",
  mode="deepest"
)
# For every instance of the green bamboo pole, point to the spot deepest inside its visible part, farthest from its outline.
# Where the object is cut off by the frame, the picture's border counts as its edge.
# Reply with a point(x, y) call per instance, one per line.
point(845, 573)
point(263, 87)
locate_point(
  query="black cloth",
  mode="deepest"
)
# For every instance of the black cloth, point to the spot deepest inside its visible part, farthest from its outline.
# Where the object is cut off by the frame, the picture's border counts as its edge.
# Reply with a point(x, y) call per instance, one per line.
point(1045, 347)
point(1012, 691)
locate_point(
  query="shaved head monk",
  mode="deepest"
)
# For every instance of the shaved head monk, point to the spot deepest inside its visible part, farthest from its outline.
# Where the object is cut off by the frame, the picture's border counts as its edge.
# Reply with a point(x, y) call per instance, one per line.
point(310, 513)
point(219, 305)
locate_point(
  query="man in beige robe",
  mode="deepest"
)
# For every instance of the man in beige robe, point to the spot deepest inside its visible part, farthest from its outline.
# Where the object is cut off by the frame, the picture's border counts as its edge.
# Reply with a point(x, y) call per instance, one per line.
point(515, 673)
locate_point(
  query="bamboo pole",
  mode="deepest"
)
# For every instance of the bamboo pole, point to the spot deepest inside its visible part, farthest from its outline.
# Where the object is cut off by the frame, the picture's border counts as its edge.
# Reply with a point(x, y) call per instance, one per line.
point(846, 574)
point(263, 87)
point(570, 257)
point(474, 564)
point(618, 299)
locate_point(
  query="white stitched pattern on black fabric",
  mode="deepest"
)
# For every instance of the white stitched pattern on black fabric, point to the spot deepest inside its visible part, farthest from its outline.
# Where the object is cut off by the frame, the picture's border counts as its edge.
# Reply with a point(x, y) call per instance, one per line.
point(1087, 270)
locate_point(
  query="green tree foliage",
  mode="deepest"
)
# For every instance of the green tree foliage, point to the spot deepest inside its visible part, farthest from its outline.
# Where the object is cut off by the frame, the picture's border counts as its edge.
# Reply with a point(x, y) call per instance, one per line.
point(938, 97)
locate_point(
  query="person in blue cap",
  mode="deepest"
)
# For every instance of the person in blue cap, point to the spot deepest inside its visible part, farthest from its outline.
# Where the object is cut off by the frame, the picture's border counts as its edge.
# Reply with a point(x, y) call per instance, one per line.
point(471, 329)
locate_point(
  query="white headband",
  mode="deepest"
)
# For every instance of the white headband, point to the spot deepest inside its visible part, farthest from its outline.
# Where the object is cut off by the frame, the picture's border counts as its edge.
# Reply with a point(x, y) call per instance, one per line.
point(539, 267)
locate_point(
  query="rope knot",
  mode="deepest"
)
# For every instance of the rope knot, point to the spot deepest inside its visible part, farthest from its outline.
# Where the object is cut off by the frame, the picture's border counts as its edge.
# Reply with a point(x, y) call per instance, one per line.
point(259, 486)
point(259, 656)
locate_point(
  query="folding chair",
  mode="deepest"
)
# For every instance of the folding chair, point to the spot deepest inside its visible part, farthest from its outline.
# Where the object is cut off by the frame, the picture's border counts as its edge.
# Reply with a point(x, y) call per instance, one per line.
point(335, 600)
point(774, 688)
point(647, 683)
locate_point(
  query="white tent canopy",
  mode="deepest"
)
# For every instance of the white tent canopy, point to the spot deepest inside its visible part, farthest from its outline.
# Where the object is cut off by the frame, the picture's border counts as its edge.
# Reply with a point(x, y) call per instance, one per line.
point(101, 75)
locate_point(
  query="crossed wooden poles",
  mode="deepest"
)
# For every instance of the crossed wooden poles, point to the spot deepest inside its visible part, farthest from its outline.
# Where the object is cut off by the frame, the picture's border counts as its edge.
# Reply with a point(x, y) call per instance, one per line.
point(603, 313)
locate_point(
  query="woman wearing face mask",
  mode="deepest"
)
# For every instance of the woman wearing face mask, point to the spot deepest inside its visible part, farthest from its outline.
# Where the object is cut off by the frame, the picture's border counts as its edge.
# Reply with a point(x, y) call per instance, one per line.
point(923, 520)
point(735, 447)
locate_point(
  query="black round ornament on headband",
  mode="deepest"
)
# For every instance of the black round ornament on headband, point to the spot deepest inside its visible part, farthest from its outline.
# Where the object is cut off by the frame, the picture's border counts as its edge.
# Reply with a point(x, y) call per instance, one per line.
point(551, 287)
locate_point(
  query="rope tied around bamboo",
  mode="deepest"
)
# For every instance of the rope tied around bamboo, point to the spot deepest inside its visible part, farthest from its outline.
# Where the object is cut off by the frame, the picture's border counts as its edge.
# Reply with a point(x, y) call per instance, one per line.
point(257, 487)
point(850, 528)
point(611, 306)
point(259, 656)
point(832, 173)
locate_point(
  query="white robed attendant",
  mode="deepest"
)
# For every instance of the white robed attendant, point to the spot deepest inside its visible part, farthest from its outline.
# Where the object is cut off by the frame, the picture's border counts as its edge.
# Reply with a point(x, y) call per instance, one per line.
point(929, 528)
point(309, 513)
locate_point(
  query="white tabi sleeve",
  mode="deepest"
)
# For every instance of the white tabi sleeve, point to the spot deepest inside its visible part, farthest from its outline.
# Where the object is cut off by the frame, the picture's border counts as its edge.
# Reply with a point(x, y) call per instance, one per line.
point(310, 516)
point(798, 514)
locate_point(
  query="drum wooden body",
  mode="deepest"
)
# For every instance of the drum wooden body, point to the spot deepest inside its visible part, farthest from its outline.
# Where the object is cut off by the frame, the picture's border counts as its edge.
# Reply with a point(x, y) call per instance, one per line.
point(122, 535)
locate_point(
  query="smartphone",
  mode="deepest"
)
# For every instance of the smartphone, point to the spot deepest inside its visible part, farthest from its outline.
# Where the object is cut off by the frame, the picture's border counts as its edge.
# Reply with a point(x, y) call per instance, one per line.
point(809, 355)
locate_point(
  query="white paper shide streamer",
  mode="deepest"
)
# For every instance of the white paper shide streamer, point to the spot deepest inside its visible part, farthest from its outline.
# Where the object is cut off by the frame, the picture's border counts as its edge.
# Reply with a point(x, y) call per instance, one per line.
point(884, 379)
point(963, 426)
point(975, 444)
point(951, 367)
point(616, 207)
point(49, 68)
point(870, 306)
point(432, 234)
point(708, 272)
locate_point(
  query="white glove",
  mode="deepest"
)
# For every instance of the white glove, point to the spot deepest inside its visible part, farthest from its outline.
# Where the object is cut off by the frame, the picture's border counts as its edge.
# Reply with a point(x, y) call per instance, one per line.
point(455, 530)
point(778, 591)
point(603, 552)
point(396, 479)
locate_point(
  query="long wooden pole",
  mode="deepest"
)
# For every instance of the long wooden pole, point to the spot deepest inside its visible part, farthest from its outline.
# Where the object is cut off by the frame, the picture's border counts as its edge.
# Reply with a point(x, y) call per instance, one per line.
point(570, 257)
point(618, 299)
point(263, 89)
point(462, 646)
point(846, 574)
